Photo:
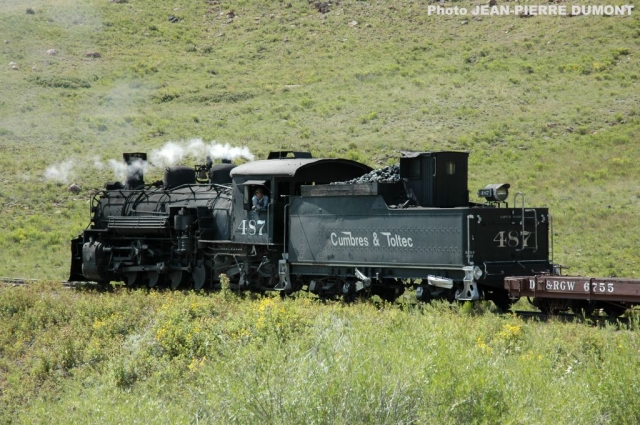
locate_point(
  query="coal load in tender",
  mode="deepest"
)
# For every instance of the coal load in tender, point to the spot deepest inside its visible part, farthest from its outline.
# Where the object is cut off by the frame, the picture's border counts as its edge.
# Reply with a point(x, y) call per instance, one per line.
point(390, 174)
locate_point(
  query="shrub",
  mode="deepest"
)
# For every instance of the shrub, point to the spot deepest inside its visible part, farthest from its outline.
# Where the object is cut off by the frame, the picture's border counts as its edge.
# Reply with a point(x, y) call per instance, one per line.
point(56, 81)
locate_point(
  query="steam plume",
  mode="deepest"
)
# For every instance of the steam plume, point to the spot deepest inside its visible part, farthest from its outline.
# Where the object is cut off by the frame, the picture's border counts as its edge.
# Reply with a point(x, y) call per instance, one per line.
point(172, 153)
point(60, 173)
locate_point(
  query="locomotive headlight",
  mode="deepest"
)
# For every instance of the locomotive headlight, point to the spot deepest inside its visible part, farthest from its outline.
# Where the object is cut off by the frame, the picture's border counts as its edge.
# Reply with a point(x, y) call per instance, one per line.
point(495, 192)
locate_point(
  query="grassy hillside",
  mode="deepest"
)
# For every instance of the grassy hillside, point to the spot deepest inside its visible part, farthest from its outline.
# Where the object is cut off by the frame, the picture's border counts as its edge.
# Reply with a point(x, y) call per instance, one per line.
point(548, 104)
point(168, 357)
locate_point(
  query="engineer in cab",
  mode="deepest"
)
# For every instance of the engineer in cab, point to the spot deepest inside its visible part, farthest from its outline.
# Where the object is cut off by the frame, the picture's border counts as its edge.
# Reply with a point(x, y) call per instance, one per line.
point(260, 200)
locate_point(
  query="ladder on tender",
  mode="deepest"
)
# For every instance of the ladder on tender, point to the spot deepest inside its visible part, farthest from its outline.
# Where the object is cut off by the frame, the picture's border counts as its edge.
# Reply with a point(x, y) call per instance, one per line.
point(525, 216)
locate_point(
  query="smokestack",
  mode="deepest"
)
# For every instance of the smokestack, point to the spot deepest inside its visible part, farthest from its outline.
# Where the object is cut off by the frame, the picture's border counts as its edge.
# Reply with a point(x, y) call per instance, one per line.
point(135, 174)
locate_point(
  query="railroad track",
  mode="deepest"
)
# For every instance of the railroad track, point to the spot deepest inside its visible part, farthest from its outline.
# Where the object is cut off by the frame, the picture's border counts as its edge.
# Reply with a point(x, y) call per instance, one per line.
point(596, 320)
point(524, 314)
point(543, 317)
point(16, 281)
point(19, 281)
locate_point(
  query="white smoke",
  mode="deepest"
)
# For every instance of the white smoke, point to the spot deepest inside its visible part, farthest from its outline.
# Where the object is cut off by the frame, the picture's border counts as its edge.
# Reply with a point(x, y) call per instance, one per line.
point(60, 173)
point(217, 151)
point(172, 153)
point(119, 167)
point(97, 163)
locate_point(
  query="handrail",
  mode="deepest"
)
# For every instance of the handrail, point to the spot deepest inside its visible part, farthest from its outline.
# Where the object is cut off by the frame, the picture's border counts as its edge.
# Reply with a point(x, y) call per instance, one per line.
point(551, 222)
point(269, 212)
point(515, 205)
point(284, 240)
point(523, 217)
point(469, 217)
point(535, 223)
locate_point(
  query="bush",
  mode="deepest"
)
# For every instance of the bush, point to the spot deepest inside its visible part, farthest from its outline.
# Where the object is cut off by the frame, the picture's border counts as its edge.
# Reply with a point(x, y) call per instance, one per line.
point(56, 81)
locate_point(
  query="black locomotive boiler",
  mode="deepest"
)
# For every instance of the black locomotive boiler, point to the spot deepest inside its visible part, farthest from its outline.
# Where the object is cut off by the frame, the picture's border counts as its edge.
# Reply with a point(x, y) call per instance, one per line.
point(368, 237)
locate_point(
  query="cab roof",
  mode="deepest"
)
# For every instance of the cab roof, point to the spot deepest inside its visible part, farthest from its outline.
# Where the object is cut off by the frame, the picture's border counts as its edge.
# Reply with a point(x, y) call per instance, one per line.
point(307, 169)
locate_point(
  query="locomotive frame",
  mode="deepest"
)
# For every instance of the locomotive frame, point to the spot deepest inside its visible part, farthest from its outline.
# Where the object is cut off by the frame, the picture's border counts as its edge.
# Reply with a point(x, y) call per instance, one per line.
point(330, 239)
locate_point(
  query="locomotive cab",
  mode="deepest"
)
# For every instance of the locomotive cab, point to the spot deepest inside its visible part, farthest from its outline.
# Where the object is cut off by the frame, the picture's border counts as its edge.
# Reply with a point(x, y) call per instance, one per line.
point(279, 177)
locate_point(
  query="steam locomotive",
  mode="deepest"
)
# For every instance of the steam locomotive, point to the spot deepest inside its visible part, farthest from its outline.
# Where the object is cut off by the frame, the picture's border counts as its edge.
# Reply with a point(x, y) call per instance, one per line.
point(333, 240)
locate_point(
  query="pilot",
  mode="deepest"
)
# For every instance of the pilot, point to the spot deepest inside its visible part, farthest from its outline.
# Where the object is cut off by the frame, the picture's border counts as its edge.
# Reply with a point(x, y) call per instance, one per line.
point(260, 201)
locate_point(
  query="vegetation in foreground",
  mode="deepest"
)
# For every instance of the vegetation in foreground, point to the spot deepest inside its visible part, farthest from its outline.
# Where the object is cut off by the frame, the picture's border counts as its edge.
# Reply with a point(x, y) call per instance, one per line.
point(132, 356)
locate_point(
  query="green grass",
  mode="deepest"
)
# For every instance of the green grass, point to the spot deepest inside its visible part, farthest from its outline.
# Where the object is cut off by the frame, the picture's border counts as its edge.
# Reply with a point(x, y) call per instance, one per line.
point(548, 104)
point(132, 356)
